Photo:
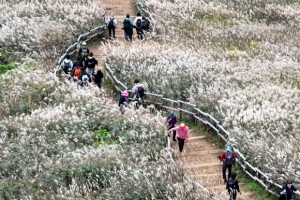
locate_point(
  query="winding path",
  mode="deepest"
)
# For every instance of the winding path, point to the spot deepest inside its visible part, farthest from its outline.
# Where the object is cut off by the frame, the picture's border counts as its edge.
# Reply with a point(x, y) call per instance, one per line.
point(199, 159)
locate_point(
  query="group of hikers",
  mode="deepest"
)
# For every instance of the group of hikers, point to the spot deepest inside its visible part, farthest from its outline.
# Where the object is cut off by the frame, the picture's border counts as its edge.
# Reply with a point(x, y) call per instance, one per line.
point(83, 69)
point(140, 24)
point(227, 159)
point(138, 91)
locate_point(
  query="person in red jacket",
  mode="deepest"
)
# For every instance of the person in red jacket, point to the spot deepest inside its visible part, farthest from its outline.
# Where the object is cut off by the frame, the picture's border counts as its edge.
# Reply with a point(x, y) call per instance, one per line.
point(228, 158)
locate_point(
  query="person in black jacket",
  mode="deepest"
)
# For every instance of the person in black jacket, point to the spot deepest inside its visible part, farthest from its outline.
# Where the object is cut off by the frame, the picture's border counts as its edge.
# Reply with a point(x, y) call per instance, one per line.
point(287, 191)
point(78, 62)
point(232, 186)
point(83, 52)
point(144, 27)
point(90, 63)
point(98, 77)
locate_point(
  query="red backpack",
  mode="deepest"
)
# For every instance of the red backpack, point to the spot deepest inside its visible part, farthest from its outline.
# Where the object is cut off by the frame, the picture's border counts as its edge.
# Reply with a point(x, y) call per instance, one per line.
point(77, 72)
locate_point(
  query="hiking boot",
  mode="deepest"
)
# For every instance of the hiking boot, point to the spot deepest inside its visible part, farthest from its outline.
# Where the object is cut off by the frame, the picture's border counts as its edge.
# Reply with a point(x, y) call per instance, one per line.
point(174, 140)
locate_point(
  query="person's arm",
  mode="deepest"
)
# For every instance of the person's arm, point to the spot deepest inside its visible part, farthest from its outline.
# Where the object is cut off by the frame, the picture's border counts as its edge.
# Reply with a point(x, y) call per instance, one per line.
point(234, 156)
point(222, 156)
point(96, 61)
point(187, 134)
point(283, 190)
point(295, 189)
point(79, 52)
point(166, 120)
point(173, 129)
point(297, 192)
point(134, 23)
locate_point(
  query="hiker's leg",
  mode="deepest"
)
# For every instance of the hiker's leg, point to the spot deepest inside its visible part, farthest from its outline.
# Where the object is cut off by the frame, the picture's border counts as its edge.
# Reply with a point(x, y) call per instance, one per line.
point(229, 170)
point(137, 32)
point(109, 31)
point(130, 37)
point(174, 135)
point(180, 143)
point(126, 36)
point(224, 172)
point(114, 31)
point(234, 194)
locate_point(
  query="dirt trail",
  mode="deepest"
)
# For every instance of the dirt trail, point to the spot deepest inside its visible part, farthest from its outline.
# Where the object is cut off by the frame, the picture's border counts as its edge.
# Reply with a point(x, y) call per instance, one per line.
point(199, 159)
point(120, 8)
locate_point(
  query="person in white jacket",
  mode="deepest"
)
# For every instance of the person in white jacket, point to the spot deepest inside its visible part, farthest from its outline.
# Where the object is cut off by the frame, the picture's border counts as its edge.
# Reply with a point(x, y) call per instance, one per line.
point(138, 89)
point(137, 24)
point(111, 24)
point(67, 65)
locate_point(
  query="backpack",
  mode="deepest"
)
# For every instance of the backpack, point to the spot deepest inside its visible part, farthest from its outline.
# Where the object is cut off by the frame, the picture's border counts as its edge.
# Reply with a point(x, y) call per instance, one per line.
point(85, 78)
point(67, 64)
point(141, 91)
point(231, 183)
point(144, 25)
point(84, 52)
point(229, 158)
point(111, 22)
point(127, 24)
point(77, 72)
point(138, 23)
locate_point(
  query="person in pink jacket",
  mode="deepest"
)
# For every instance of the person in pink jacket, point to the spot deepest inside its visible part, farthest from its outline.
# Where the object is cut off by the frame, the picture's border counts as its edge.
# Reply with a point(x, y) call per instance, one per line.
point(182, 134)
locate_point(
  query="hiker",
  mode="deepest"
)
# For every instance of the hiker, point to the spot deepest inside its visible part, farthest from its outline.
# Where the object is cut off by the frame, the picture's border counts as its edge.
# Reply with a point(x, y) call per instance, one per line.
point(182, 134)
point(76, 72)
point(111, 24)
point(67, 64)
point(170, 122)
point(137, 24)
point(78, 62)
point(232, 186)
point(90, 63)
point(127, 27)
point(228, 158)
point(138, 89)
point(98, 77)
point(144, 27)
point(84, 78)
point(122, 101)
point(83, 52)
point(288, 190)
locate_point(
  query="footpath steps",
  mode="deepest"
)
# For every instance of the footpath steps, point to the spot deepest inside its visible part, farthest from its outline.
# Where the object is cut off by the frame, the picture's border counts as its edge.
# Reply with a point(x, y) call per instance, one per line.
point(200, 163)
point(199, 160)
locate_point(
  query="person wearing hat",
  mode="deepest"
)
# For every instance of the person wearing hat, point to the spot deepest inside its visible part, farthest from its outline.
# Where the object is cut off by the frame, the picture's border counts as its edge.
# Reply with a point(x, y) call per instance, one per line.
point(123, 99)
point(182, 134)
point(287, 190)
point(111, 24)
point(228, 158)
point(232, 186)
point(170, 122)
point(83, 52)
